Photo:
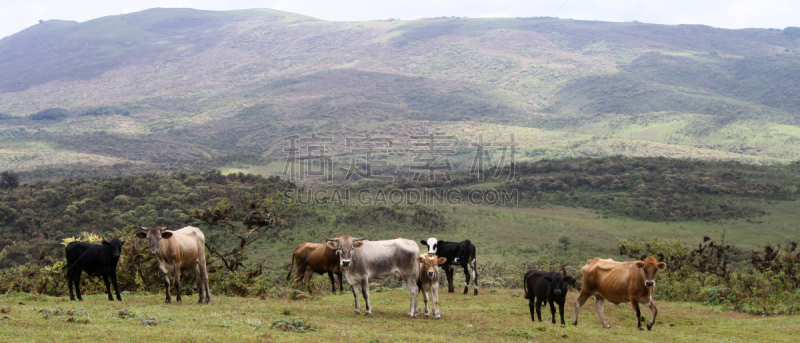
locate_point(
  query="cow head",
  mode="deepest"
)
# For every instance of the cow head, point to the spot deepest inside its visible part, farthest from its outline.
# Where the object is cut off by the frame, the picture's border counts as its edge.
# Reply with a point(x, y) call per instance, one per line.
point(557, 283)
point(116, 247)
point(154, 234)
point(432, 244)
point(650, 266)
point(344, 247)
point(430, 264)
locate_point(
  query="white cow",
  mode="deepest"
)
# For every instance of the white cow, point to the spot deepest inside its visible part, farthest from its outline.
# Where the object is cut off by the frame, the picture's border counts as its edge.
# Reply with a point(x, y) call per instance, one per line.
point(361, 261)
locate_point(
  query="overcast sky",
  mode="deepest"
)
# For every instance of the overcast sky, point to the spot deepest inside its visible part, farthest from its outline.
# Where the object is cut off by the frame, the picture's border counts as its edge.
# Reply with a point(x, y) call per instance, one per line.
point(15, 15)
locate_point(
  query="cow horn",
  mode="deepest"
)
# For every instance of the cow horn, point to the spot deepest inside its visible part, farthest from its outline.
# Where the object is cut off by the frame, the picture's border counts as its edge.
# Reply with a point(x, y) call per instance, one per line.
point(330, 239)
point(358, 239)
point(143, 228)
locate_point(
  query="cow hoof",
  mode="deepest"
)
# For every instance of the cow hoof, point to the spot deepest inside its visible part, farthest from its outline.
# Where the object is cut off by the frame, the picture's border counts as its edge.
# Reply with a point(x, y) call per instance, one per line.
point(476, 292)
point(649, 326)
point(438, 317)
point(451, 291)
point(640, 328)
point(368, 315)
point(607, 326)
point(427, 316)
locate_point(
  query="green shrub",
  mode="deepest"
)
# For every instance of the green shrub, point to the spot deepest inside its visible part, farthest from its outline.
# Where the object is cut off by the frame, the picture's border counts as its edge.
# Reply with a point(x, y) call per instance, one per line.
point(50, 114)
point(106, 111)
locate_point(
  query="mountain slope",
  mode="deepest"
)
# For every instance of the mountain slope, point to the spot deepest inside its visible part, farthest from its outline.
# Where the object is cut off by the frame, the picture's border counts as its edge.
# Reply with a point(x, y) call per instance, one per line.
point(203, 84)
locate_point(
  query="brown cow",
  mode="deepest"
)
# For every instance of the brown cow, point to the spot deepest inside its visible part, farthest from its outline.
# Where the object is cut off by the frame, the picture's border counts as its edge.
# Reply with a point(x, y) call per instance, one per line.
point(620, 282)
point(320, 259)
point(428, 281)
point(176, 250)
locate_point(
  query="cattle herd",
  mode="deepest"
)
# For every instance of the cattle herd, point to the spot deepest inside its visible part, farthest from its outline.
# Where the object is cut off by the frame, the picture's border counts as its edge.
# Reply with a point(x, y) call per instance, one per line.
point(360, 261)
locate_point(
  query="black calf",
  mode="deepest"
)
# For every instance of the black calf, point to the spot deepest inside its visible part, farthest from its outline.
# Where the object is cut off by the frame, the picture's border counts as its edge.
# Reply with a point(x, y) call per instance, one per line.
point(94, 259)
point(546, 286)
point(461, 254)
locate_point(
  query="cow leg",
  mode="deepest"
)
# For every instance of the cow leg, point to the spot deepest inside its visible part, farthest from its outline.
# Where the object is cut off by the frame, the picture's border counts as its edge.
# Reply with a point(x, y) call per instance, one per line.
point(177, 283)
point(201, 263)
point(539, 309)
point(553, 311)
point(467, 277)
point(77, 282)
point(413, 293)
point(354, 288)
point(474, 276)
point(339, 277)
point(578, 303)
point(599, 301)
point(307, 275)
point(561, 302)
point(435, 290)
point(655, 312)
point(448, 271)
point(638, 312)
point(365, 293)
point(108, 287)
point(424, 292)
point(116, 285)
point(532, 307)
point(199, 282)
point(70, 282)
point(333, 282)
point(165, 275)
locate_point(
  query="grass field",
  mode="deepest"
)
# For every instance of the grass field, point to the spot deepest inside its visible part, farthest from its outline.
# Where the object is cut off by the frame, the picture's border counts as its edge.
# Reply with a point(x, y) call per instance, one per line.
point(494, 315)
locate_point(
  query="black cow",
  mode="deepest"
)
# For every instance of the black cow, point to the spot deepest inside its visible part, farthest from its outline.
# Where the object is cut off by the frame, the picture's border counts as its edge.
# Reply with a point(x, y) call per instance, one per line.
point(543, 286)
point(460, 254)
point(94, 259)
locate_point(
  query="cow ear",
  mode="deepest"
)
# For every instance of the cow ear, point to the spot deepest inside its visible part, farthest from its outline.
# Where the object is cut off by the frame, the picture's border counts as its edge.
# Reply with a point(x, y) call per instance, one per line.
point(420, 259)
point(166, 234)
point(569, 280)
point(662, 265)
point(441, 260)
point(358, 244)
point(141, 235)
point(639, 264)
point(333, 245)
point(424, 242)
point(106, 243)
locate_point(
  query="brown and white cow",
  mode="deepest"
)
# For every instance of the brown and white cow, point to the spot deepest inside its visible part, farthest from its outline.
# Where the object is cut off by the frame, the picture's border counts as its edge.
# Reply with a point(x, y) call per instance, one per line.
point(176, 250)
point(620, 282)
point(428, 281)
point(320, 259)
point(362, 260)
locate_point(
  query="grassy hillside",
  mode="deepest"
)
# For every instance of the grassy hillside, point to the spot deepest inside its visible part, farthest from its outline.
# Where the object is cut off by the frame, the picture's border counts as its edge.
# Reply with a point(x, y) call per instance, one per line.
point(206, 85)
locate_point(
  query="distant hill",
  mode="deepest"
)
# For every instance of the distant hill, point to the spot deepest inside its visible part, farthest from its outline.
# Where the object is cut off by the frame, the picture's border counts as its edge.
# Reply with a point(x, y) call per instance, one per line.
point(206, 86)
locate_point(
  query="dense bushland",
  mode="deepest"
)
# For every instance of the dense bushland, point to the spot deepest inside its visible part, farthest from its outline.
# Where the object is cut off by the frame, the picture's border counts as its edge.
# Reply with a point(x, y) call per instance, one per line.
point(35, 217)
point(656, 189)
point(717, 273)
point(50, 114)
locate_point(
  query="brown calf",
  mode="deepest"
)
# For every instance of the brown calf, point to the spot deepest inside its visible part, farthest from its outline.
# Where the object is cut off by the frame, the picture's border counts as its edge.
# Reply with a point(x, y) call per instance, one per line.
point(620, 282)
point(320, 259)
point(428, 281)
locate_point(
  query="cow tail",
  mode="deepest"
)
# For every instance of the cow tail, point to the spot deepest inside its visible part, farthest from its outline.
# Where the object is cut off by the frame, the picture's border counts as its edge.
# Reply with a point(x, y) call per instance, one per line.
point(525, 286)
point(291, 266)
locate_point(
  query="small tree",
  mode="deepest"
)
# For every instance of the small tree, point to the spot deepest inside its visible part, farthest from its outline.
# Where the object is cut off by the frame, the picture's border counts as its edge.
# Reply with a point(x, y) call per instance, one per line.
point(8, 180)
point(257, 218)
point(565, 241)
